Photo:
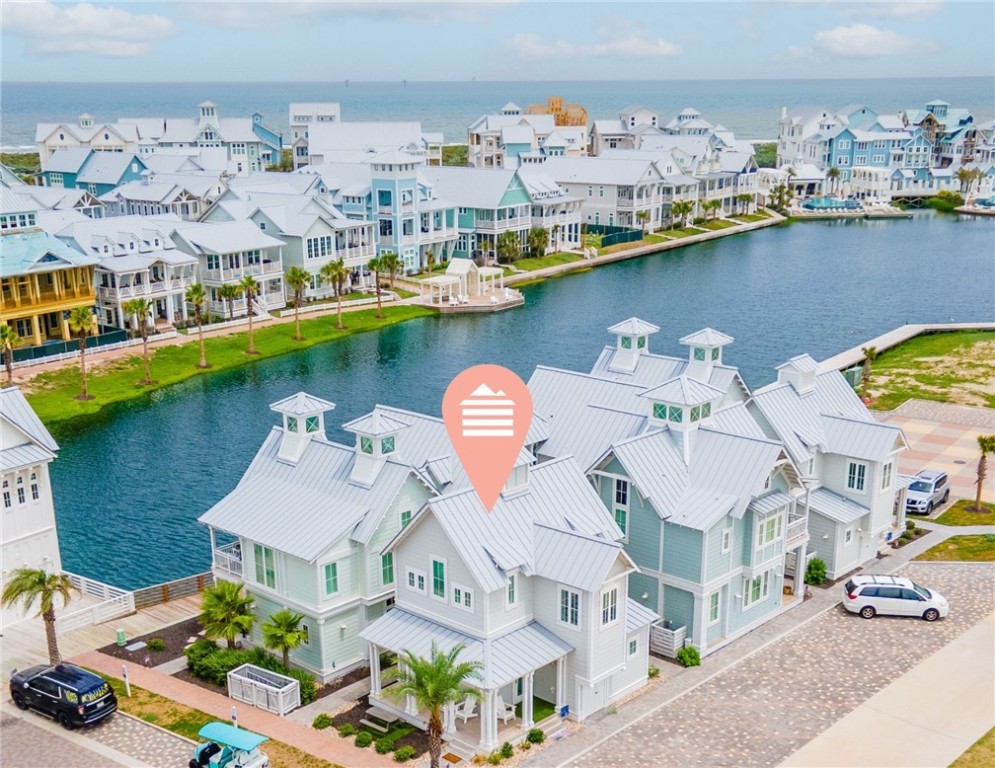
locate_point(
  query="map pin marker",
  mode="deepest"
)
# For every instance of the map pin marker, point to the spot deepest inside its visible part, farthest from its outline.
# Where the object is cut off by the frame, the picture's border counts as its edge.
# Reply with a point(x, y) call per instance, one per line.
point(487, 411)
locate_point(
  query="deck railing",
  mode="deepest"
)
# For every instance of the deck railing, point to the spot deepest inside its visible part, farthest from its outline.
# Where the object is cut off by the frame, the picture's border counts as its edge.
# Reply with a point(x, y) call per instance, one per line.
point(114, 602)
point(229, 559)
point(797, 526)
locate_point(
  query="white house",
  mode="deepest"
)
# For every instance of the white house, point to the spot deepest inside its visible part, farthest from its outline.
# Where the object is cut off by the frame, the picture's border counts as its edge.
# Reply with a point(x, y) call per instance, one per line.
point(302, 116)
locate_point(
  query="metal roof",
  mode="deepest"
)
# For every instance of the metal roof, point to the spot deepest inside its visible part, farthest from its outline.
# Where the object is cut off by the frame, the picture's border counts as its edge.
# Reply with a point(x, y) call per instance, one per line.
point(301, 404)
point(225, 237)
point(707, 337)
point(633, 327)
point(36, 251)
point(683, 391)
point(770, 502)
point(652, 369)
point(504, 659)
point(15, 409)
point(637, 615)
point(23, 456)
point(375, 424)
point(572, 558)
point(868, 440)
point(836, 507)
point(802, 363)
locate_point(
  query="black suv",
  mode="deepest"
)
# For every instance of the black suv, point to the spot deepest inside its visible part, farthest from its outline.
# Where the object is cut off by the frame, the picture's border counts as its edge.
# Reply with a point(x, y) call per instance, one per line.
point(64, 692)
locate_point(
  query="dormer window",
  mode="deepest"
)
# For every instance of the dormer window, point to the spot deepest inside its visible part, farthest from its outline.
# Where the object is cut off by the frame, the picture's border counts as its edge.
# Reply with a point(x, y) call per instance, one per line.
point(366, 444)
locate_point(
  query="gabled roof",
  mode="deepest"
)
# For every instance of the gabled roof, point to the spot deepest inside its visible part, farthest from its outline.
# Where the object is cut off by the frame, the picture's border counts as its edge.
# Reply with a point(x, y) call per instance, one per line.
point(572, 558)
point(14, 408)
point(37, 251)
point(868, 440)
point(634, 327)
point(67, 160)
point(301, 404)
point(107, 167)
point(707, 337)
point(225, 237)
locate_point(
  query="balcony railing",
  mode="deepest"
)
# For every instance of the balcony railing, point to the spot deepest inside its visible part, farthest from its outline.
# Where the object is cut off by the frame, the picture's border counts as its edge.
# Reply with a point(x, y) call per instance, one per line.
point(518, 221)
point(227, 274)
point(797, 526)
point(229, 559)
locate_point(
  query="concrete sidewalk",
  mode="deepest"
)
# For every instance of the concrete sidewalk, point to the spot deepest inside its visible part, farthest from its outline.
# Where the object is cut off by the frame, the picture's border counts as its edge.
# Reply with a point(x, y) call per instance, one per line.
point(927, 717)
point(324, 744)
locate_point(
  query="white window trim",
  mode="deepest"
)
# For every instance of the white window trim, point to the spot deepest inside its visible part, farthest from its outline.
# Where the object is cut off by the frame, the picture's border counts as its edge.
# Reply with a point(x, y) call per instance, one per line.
point(848, 536)
point(887, 475)
point(444, 598)
point(508, 605)
point(718, 608)
point(580, 607)
point(306, 635)
point(846, 479)
point(761, 540)
point(324, 578)
point(725, 541)
point(765, 579)
point(633, 651)
point(416, 573)
point(601, 608)
point(463, 591)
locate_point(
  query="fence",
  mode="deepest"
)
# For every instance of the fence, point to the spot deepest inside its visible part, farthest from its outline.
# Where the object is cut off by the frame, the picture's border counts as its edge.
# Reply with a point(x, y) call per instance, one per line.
point(264, 689)
point(611, 235)
point(384, 296)
point(666, 642)
point(172, 590)
point(43, 354)
point(114, 602)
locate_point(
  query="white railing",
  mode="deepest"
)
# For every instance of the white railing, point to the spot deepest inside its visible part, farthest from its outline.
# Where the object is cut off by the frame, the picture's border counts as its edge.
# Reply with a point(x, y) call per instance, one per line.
point(797, 526)
point(229, 559)
point(170, 334)
point(225, 275)
point(114, 602)
point(333, 306)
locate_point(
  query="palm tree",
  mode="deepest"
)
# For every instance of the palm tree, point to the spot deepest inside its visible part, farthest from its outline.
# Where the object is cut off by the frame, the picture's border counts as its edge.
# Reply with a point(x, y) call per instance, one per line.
point(679, 210)
point(141, 308)
point(29, 584)
point(538, 240)
point(226, 612)
point(745, 199)
point(81, 323)
point(986, 444)
point(429, 260)
point(283, 633)
point(780, 197)
point(556, 237)
point(8, 340)
point(509, 247)
point(833, 174)
point(391, 264)
point(966, 177)
point(865, 380)
point(642, 217)
point(435, 683)
point(229, 294)
point(197, 297)
point(298, 279)
point(376, 266)
point(336, 272)
point(250, 287)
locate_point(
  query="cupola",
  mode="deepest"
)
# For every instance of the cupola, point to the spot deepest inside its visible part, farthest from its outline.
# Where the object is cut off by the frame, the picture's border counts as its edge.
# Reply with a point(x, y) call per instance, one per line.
point(85, 120)
point(682, 404)
point(303, 420)
point(704, 352)
point(632, 341)
point(376, 441)
point(799, 372)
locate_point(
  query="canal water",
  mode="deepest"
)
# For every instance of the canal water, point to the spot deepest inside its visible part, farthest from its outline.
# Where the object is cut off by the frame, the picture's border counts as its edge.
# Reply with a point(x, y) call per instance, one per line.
point(130, 483)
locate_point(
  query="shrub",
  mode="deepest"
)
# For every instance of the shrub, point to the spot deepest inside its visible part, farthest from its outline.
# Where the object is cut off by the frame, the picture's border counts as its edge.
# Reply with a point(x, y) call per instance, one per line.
point(698, 220)
point(507, 750)
point(525, 746)
point(309, 688)
point(906, 536)
point(322, 721)
point(364, 739)
point(910, 525)
point(479, 759)
point(689, 656)
point(211, 663)
point(403, 754)
point(535, 736)
point(653, 672)
point(815, 572)
point(156, 644)
point(383, 746)
point(347, 729)
point(494, 758)
point(945, 201)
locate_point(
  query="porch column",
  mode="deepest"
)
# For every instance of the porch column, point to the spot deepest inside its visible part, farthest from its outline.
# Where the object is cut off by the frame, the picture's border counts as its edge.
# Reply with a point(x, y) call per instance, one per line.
point(798, 588)
point(561, 683)
point(170, 315)
point(449, 718)
point(409, 701)
point(121, 321)
point(527, 701)
point(35, 331)
point(64, 328)
point(488, 722)
point(214, 543)
point(700, 621)
point(374, 670)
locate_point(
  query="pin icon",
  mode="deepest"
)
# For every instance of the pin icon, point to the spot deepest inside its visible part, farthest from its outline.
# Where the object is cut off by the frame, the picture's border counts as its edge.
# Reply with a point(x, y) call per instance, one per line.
point(487, 411)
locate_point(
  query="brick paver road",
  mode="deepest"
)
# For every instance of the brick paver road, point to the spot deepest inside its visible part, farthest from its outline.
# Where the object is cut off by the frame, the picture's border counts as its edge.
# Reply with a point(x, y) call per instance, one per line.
point(763, 709)
point(25, 745)
point(131, 736)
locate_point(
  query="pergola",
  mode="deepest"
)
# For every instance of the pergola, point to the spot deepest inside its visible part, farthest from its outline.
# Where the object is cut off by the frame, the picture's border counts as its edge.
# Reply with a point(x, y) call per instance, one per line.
point(487, 277)
point(446, 285)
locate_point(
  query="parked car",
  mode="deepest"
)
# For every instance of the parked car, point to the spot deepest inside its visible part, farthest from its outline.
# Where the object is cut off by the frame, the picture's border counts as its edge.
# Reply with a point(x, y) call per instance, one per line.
point(228, 746)
point(930, 489)
point(63, 692)
point(892, 596)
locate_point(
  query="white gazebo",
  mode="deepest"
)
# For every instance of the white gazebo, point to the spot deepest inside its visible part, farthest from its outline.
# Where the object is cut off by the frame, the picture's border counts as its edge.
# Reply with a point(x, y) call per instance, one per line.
point(446, 285)
point(489, 279)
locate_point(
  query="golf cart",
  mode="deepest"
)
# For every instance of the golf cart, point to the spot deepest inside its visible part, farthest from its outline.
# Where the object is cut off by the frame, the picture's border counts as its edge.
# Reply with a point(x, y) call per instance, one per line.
point(229, 747)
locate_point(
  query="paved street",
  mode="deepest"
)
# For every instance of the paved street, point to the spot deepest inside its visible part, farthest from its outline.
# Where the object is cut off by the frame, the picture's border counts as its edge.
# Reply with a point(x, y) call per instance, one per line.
point(132, 737)
point(766, 707)
point(27, 745)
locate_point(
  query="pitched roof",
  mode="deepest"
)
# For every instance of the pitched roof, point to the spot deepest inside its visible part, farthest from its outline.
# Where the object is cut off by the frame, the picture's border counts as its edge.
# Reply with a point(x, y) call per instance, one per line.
point(301, 404)
point(683, 391)
point(225, 237)
point(707, 337)
point(572, 558)
point(637, 616)
point(107, 167)
point(375, 424)
point(15, 409)
point(37, 251)
point(836, 507)
point(67, 160)
point(634, 327)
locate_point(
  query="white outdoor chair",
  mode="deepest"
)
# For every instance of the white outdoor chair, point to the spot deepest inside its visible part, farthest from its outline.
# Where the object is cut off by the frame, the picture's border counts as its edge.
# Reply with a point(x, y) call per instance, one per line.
point(505, 712)
point(465, 710)
point(494, 300)
point(453, 301)
point(464, 299)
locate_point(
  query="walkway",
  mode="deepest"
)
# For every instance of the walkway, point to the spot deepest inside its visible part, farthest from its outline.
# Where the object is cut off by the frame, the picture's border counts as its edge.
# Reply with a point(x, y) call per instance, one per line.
point(893, 338)
point(326, 745)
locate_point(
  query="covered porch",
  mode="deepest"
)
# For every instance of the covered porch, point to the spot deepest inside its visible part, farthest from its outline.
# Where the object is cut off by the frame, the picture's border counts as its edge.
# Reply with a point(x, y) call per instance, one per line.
point(523, 674)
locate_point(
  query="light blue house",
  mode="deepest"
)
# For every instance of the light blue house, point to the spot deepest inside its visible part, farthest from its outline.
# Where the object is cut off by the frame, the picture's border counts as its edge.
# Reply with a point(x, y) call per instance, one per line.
point(95, 171)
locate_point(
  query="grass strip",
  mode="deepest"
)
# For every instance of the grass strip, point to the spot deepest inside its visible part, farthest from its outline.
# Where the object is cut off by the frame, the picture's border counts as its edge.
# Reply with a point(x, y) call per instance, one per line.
point(959, 514)
point(553, 260)
point(978, 548)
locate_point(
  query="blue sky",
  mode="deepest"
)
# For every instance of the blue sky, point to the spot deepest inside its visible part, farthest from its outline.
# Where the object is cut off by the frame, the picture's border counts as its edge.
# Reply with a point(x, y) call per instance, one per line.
point(503, 40)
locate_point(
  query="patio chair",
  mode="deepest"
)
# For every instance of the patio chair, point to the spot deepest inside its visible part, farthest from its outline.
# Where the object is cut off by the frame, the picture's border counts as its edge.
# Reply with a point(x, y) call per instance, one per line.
point(494, 300)
point(464, 299)
point(453, 302)
point(465, 710)
point(505, 712)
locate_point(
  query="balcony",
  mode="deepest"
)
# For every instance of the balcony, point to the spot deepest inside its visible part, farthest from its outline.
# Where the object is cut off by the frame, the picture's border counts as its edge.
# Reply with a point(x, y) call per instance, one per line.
point(228, 559)
point(502, 224)
point(227, 275)
point(797, 529)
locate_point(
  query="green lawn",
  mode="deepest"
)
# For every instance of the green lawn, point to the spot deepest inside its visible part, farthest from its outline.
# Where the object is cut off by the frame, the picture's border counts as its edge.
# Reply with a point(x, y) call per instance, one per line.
point(718, 224)
point(750, 218)
point(677, 232)
point(958, 514)
point(53, 393)
point(975, 549)
point(955, 367)
point(554, 259)
point(980, 755)
point(541, 709)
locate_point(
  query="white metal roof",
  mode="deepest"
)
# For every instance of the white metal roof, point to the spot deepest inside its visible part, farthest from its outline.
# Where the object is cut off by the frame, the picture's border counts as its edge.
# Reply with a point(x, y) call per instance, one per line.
point(634, 327)
point(572, 558)
point(707, 337)
point(683, 391)
point(15, 409)
point(637, 615)
point(375, 424)
point(836, 507)
point(301, 404)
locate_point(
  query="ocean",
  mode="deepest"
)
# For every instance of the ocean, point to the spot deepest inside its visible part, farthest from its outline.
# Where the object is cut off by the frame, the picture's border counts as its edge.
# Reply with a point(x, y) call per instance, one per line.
point(750, 108)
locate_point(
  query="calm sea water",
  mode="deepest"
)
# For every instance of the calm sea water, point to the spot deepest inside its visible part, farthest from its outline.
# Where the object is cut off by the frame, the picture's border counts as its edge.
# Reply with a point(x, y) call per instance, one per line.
point(130, 484)
point(750, 108)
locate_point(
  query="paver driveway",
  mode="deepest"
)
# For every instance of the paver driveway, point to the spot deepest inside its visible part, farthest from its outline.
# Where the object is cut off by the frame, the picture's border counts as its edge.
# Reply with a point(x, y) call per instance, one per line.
point(25, 745)
point(763, 709)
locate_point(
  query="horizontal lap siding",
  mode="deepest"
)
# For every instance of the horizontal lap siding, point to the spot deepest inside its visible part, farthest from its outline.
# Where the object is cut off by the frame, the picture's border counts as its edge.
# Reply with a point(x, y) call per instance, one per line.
point(682, 552)
point(678, 608)
point(822, 538)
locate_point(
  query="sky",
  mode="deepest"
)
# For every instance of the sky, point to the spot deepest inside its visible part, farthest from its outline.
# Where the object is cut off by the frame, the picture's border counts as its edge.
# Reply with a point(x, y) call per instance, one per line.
point(255, 40)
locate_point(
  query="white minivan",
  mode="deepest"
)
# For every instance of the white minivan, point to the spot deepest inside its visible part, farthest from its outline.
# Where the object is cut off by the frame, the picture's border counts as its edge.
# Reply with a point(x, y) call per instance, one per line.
point(892, 596)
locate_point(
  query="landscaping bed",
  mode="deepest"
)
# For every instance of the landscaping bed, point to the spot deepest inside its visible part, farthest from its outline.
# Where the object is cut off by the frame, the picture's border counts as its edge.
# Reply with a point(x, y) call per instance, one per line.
point(553, 260)
point(910, 534)
point(351, 717)
point(175, 638)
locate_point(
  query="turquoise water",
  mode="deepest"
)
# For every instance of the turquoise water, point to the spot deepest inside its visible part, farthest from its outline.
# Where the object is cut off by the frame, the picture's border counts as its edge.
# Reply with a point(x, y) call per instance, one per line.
point(750, 108)
point(130, 484)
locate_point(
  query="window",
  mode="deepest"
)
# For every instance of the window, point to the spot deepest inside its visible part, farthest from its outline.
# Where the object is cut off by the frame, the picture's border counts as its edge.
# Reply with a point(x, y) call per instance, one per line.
point(676, 414)
point(713, 608)
point(387, 568)
point(305, 635)
point(439, 578)
point(626, 342)
point(855, 474)
point(768, 531)
point(726, 541)
point(265, 566)
point(34, 486)
point(319, 247)
point(660, 411)
point(416, 580)
point(387, 445)
point(633, 647)
point(886, 476)
point(715, 354)
point(366, 444)
point(695, 412)
point(848, 535)
point(55, 179)
point(512, 590)
point(311, 425)
point(621, 519)
point(609, 607)
point(463, 597)
point(755, 590)
point(405, 519)
point(570, 607)
point(291, 423)
point(331, 578)
point(699, 353)
point(20, 490)
point(706, 410)
point(641, 342)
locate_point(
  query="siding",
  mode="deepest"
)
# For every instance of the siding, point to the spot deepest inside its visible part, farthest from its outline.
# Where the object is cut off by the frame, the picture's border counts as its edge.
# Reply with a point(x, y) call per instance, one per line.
point(738, 618)
point(678, 608)
point(716, 563)
point(643, 544)
point(609, 641)
point(682, 552)
point(300, 580)
point(308, 657)
point(341, 645)
point(409, 499)
point(547, 601)
point(825, 548)
point(640, 584)
point(499, 614)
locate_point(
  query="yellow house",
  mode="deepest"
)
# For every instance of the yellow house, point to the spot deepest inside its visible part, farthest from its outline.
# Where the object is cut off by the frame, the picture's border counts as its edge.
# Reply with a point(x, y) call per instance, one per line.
point(41, 280)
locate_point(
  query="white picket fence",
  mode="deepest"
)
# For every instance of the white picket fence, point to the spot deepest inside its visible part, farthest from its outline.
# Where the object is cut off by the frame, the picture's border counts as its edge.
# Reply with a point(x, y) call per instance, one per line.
point(171, 334)
point(114, 602)
point(384, 296)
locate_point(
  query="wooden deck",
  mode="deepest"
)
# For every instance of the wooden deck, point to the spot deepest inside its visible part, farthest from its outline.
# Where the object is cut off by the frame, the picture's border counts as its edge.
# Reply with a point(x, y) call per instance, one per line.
point(23, 643)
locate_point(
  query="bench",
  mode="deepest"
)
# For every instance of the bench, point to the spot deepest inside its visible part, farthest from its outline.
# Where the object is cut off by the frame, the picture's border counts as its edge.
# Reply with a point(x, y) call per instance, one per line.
point(383, 716)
